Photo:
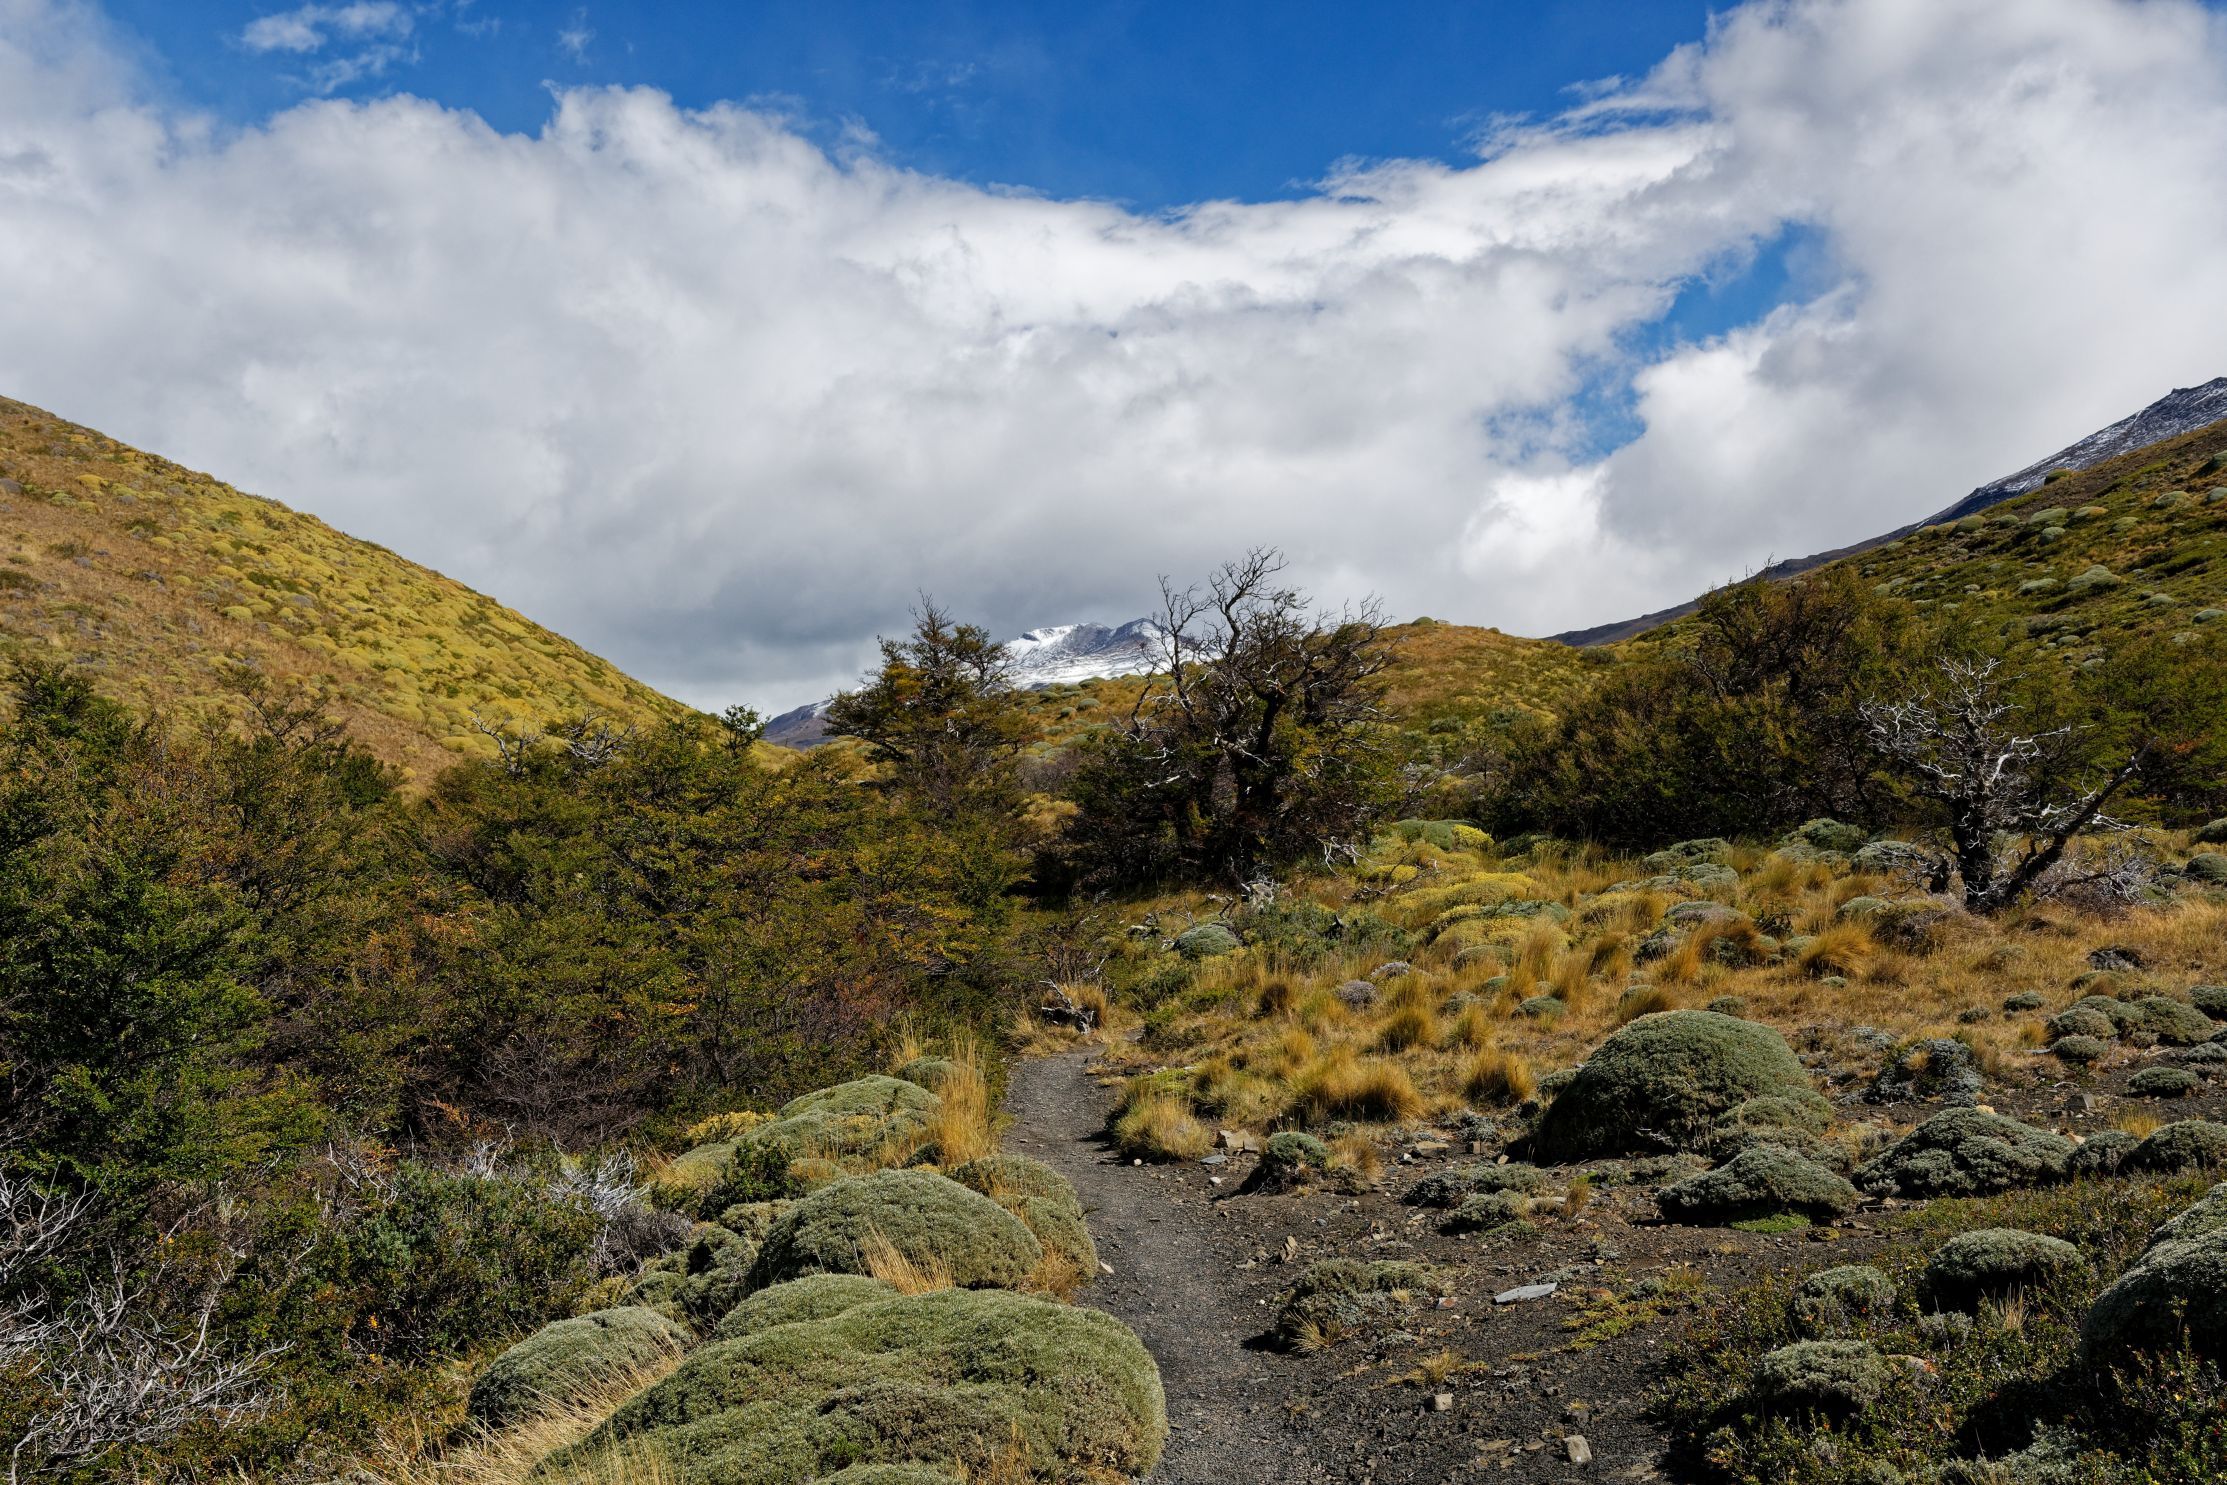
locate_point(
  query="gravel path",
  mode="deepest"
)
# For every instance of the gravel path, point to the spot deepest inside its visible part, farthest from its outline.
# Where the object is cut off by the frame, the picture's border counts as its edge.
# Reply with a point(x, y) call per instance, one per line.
point(1171, 1282)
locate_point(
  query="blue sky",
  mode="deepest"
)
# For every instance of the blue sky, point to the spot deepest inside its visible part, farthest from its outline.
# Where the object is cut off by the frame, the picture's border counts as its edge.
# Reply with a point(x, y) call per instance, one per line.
point(1155, 105)
point(711, 335)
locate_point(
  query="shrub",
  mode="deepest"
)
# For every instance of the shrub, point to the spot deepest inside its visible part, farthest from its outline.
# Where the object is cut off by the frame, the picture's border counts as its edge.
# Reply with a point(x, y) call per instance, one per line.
point(2080, 1050)
point(1450, 1187)
point(862, 1120)
point(1207, 941)
point(2175, 1022)
point(1759, 1182)
point(2175, 1294)
point(566, 1359)
point(1043, 1199)
point(2025, 1000)
point(1964, 1152)
point(2164, 1082)
point(2207, 1216)
point(963, 1381)
point(929, 1072)
point(1997, 1261)
point(2190, 1144)
point(1831, 1300)
point(1289, 1162)
point(813, 1297)
point(2082, 1021)
point(1822, 1376)
point(1662, 1081)
point(1937, 1067)
point(1337, 1296)
point(2211, 1000)
point(927, 1218)
point(2101, 1153)
point(1486, 1211)
point(1800, 1109)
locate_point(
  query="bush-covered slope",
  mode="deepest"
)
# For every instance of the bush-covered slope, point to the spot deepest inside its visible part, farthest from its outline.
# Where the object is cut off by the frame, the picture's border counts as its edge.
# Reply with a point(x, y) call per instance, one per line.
point(164, 581)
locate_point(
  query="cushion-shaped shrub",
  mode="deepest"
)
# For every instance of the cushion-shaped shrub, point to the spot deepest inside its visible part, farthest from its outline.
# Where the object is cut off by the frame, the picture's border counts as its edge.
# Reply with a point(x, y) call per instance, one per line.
point(1713, 850)
point(1735, 1141)
point(2025, 1000)
point(1996, 1261)
point(2122, 1016)
point(1487, 1210)
point(1821, 1376)
point(1662, 1081)
point(930, 1073)
point(848, 1122)
point(1831, 1300)
point(2176, 1290)
point(1450, 1187)
point(2189, 1144)
point(2176, 1022)
point(2207, 1216)
point(2164, 1082)
point(2211, 1000)
point(566, 1359)
point(1965, 1152)
point(1041, 1197)
point(1340, 1296)
point(1935, 1067)
point(1288, 1161)
point(1760, 1182)
point(2101, 1153)
point(2080, 1051)
point(2080, 1020)
point(813, 1297)
point(1207, 941)
point(1888, 857)
point(2208, 867)
point(956, 1379)
point(1828, 835)
point(928, 1219)
point(1799, 1108)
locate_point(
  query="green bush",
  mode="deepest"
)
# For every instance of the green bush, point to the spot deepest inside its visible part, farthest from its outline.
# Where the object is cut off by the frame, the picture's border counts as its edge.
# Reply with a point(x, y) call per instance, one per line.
point(1964, 1152)
point(2207, 1216)
point(889, 1474)
point(1042, 1198)
point(1339, 1296)
point(1829, 1301)
point(2080, 1050)
point(1997, 1261)
point(1486, 1211)
point(2164, 1082)
point(1291, 1159)
point(2211, 1000)
point(566, 1359)
point(2174, 1295)
point(2175, 1022)
point(951, 1380)
point(813, 1297)
point(1821, 1376)
point(2101, 1153)
point(2190, 1144)
point(2080, 1021)
point(1762, 1181)
point(1800, 1109)
point(927, 1218)
point(1207, 941)
point(929, 1072)
point(848, 1121)
point(1449, 1187)
point(1662, 1081)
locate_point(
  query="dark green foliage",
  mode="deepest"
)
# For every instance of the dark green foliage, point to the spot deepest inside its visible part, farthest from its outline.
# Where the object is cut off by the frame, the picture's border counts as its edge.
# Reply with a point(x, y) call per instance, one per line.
point(1821, 1376)
point(1448, 1188)
point(1662, 1081)
point(1291, 1160)
point(1487, 1211)
point(952, 1379)
point(2164, 1082)
point(1340, 1297)
point(1758, 1182)
point(813, 1297)
point(1831, 1300)
point(2175, 1022)
point(929, 1220)
point(1305, 933)
point(2081, 1021)
point(2207, 1216)
point(564, 1359)
point(2211, 1000)
point(2080, 1050)
point(2190, 1144)
point(1997, 1261)
point(1800, 1108)
point(1964, 1152)
point(1207, 941)
point(2101, 1153)
point(928, 1072)
point(2174, 1295)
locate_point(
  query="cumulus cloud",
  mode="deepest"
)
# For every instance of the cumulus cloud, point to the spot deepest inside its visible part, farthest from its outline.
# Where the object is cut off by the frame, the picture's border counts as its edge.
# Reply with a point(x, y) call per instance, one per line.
point(719, 403)
point(378, 29)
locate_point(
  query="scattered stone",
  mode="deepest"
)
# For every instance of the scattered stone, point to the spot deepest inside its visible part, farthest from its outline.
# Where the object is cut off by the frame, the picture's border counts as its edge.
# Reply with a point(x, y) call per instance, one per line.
point(1576, 1450)
point(1442, 1402)
point(1522, 1292)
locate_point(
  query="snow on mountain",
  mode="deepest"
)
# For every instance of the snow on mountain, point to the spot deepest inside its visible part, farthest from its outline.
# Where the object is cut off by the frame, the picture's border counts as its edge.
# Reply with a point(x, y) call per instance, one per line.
point(1056, 655)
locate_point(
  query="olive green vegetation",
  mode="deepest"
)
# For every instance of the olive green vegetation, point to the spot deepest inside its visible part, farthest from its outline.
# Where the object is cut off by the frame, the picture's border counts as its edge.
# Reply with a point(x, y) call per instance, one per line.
point(1662, 1081)
point(167, 585)
point(1763, 1181)
point(1967, 1152)
point(967, 1381)
point(1043, 1199)
point(568, 1358)
point(813, 1297)
point(929, 1219)
point(2072, 1348)
point(1341, 1297)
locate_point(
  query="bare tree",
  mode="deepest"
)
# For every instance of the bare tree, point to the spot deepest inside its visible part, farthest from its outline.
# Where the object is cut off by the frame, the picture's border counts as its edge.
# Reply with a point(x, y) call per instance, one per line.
point(2007, 788)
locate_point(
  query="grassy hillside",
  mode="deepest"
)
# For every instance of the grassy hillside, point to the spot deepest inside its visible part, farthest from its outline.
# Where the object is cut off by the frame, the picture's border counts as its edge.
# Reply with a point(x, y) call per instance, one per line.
point(166, 582)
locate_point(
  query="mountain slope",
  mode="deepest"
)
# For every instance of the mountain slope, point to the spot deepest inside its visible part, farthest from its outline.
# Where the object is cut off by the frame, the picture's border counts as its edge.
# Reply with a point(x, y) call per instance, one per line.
point(167, 583)
point(2183, 410)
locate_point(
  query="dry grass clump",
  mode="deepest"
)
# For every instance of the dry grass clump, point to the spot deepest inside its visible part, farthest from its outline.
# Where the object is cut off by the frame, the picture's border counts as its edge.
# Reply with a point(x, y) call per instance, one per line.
point(1494, 1076)
point(1407, 1028)
point(1356, 1157)
point(883, 1260)
point(1471, 1030)
point(1841, 949)
point(963, 1127)
point(1340, 1085)
point(1644, 1002)
point(1160, 1126)
point(512, 1456)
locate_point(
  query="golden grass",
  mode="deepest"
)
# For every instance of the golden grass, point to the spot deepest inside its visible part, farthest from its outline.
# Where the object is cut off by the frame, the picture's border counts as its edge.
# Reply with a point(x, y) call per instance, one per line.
point(1406, 1028)
point(901, 1271)
point(1842, 949)
point(963, 1127)
point(1357, 1156)
point(514, 1455)
point(1340, 1085)
point(1494, 1076)
point(1161, 1127)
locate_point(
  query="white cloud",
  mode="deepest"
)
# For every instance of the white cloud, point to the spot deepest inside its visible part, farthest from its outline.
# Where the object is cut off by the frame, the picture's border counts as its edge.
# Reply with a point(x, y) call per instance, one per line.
point(307, 28)
point(718, 404)
point(574, 37)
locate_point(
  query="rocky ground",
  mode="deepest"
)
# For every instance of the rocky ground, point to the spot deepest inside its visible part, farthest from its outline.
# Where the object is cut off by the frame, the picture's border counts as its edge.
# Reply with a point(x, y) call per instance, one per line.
point(1550, 1388)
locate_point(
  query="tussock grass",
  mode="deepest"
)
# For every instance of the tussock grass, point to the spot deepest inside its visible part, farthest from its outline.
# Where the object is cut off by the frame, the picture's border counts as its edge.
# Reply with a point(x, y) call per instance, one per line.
point(513, 1456)
point(1341, 1085)
point(905, 1274)
point(1161, 1126)
point(1494, 1076)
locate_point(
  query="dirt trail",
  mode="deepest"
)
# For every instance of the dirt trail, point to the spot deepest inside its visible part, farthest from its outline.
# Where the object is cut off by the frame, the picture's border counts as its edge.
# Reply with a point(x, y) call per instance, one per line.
point(1171, 1283)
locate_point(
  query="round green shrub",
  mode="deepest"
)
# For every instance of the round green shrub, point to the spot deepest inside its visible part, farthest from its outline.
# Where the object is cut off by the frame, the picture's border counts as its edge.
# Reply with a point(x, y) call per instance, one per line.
point(1289, 1161)
point(2164, 1082)
point(1662, 1081)
point(2209, 867)
point(2101, 1153)
point(1543, 1007)
point(2025, 1000)
point(1831, 1300)
point(2190, 1144)
point(849, 1121)
point(1821, 1376)
point(1735, 1141)
point(952, 1380)
point(1486, 1211)
point(1207, 941)
point(2207, 1216)
point(1450, 1187)
point(1797, 1109)
point(927, 1218)
point(2123, 1017)
point(2211, 1000)
point(1828, 835)
point(813, 1297)
point(1995, 1261)
point(2080, 1050)
point(930, 1073)
point(2080, 1021)
point(1965, 1152)
point(566, 1359)
point(2176, 1023)
point(2176, 1291)
point(1343, 1296)
point(1041, 1197)
point(1760, 1182)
